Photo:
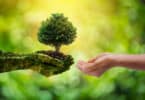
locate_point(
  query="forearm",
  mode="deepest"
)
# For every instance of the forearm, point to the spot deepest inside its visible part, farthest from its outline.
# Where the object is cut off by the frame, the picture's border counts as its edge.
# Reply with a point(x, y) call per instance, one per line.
point(130, 61)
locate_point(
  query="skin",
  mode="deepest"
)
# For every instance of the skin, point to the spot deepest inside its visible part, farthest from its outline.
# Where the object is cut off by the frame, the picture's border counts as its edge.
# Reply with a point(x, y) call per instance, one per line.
point(103, 62)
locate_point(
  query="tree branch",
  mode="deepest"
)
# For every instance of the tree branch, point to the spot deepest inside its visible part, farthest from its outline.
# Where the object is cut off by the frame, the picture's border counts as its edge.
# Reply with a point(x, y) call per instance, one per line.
point(39, 62)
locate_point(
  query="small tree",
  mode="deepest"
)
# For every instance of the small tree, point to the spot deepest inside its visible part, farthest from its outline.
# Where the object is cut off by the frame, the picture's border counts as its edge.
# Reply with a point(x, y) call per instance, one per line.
point(57, 31)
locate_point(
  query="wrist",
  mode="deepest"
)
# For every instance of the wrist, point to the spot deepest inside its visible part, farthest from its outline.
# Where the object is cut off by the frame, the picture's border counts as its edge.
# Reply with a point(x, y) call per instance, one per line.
point(115, 60)
point(119, 60)
point(112, 60)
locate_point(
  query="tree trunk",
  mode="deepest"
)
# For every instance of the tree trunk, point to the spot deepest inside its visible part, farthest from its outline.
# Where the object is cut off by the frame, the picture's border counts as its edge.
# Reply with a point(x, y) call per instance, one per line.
point(57, 48)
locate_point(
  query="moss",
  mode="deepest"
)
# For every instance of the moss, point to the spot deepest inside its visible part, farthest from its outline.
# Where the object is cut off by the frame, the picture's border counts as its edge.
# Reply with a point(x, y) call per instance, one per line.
point(41, 63)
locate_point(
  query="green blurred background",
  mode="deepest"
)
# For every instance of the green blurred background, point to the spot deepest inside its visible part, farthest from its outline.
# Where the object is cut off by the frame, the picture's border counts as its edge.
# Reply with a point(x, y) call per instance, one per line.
point(116, 26)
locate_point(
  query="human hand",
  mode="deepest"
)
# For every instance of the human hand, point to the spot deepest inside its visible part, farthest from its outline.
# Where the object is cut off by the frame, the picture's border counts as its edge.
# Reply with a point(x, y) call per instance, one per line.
point(96, 66)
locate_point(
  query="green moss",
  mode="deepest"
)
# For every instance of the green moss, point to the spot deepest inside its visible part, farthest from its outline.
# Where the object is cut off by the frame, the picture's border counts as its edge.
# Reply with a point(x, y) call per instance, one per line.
point(41, 63)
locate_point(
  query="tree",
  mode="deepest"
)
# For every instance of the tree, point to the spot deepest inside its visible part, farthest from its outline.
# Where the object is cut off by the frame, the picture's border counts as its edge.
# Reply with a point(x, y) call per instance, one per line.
point(57, 31)
point(54, 31)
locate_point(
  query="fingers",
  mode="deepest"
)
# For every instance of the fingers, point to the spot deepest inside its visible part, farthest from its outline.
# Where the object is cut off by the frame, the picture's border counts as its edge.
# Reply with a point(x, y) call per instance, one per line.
point(97, 65)
point(89, 69)
point(92, 60)
point(96, 73)
point(85, 68)
point(80, 64)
